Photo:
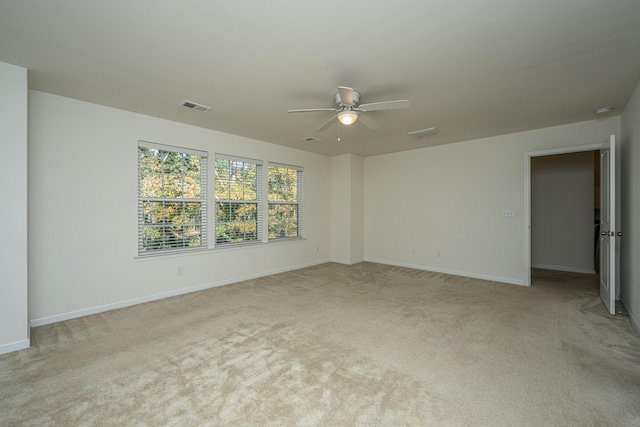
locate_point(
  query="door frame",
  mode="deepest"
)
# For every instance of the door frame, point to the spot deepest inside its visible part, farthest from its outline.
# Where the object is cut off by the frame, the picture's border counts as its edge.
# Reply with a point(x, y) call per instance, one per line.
point(527, 195)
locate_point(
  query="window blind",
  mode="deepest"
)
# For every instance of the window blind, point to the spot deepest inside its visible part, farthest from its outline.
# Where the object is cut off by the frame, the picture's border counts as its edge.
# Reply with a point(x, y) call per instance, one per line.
point(285, 201)
point(238, 195)
point(172, 198)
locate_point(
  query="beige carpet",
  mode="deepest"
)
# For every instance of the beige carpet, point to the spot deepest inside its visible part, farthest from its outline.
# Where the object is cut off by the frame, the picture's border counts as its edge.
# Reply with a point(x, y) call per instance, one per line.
point(335, 345)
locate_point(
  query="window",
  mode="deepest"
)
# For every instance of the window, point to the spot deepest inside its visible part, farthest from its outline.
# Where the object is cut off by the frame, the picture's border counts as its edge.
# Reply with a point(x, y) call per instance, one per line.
point(285, 201)
point(238, 195)
point(172, 198)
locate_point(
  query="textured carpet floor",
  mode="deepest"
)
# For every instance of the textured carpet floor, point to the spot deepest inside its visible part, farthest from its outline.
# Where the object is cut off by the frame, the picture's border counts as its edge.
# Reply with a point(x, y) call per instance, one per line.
point(336, 345)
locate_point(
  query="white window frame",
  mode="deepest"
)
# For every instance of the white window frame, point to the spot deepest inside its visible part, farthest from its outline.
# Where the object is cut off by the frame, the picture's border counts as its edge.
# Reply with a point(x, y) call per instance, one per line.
point(298, 203)
point(257, 202)
point(202, 201)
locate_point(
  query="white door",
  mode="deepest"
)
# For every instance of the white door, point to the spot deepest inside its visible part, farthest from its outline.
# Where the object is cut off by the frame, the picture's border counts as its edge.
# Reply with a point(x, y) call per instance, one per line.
point(608, 224)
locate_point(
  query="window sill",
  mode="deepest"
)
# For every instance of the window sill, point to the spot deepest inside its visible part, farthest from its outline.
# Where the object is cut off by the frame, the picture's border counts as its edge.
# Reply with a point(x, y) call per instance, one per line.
point(219, 248)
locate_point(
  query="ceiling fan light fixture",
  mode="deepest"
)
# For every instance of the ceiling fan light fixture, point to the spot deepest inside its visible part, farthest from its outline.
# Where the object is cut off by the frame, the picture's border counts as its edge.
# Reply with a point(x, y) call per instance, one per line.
point(347, 117)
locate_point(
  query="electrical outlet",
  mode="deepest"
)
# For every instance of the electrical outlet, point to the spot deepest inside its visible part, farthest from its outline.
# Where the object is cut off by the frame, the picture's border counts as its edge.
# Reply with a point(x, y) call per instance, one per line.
point(413, 251)
point(508, 212)
point(439, 254)
point(180, 270)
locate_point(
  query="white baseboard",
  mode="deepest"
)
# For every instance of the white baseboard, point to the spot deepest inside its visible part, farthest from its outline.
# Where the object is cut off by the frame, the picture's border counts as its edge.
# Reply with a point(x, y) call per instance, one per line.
point(135, 301)
point(563, 268)
point(345, 262)
point(452, 272)
point(15, 346)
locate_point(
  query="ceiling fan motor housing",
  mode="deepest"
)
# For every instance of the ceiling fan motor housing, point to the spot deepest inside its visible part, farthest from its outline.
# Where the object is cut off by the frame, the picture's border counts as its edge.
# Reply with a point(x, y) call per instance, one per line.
point(356, 100)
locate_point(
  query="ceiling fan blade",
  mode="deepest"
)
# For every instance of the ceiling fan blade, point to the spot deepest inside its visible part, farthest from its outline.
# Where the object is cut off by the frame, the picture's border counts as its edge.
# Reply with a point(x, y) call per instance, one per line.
point(307, 110)
point(328, 123)
point(368, 122)
point(346, 95)
point(385, 105)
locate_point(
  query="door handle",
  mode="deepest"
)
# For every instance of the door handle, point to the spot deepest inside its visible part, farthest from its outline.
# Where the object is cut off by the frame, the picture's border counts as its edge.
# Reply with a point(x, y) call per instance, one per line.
point(605, 233)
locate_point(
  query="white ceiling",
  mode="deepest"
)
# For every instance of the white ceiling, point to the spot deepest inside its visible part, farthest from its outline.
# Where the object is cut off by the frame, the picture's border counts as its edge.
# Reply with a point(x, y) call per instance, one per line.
point(472, 68)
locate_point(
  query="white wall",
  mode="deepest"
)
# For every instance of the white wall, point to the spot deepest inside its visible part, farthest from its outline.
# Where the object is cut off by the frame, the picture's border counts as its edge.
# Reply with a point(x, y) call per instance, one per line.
point(341, 209)
point(630, 198)
point(562, 212)
point(357, 208)
point(448, 199)
point(83, 211)
point(347, 200)
point(14, 326)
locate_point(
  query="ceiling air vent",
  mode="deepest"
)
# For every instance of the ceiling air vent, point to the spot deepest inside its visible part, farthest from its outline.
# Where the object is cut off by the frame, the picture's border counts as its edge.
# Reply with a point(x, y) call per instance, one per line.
point(195, 106)
point(311, 139)
point(424, 133)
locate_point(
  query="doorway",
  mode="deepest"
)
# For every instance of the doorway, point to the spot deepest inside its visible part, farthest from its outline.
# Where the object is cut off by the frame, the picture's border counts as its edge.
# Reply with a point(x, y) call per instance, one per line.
point(608, 244)
point(527, 190)
point(565, 212)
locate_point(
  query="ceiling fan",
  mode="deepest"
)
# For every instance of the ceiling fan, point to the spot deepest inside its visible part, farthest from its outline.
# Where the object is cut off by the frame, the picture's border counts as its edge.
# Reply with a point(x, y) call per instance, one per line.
point(349, 109)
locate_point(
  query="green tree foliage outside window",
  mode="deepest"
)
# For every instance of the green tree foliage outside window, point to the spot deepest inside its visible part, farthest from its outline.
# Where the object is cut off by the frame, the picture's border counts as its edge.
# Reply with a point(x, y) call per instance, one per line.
point(237, 200)
point(285, 184)
point(171, 196)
